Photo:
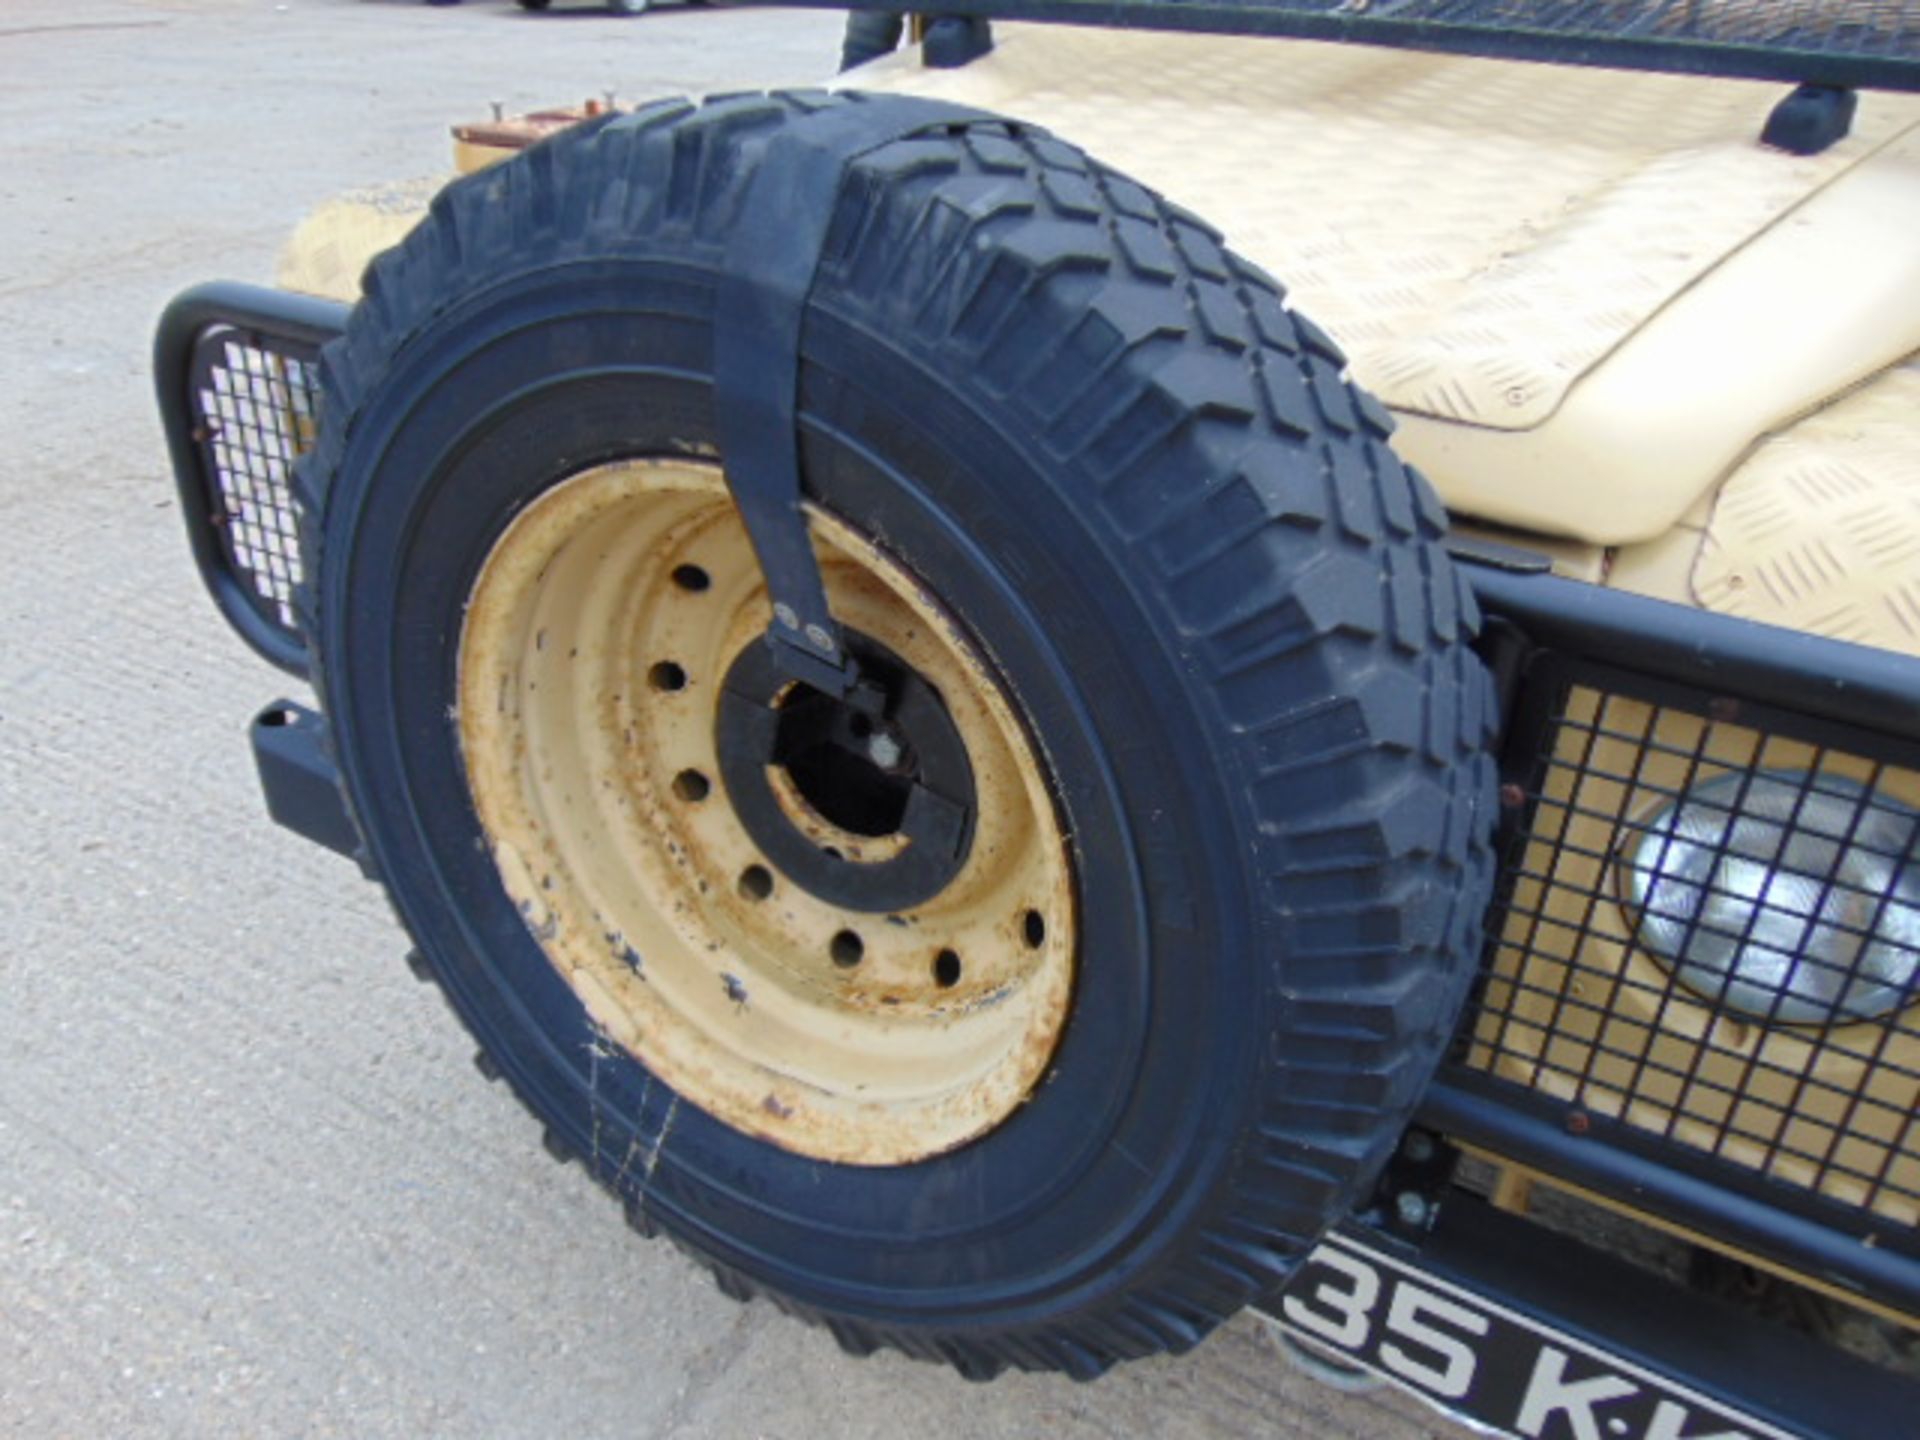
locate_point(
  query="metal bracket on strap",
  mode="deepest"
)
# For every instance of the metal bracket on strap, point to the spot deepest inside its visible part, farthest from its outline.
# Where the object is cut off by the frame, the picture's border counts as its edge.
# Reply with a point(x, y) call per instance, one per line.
point(772, 259)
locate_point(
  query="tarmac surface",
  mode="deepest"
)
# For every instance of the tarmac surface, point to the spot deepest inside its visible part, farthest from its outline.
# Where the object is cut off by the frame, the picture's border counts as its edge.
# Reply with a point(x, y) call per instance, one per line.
point(249, 1181)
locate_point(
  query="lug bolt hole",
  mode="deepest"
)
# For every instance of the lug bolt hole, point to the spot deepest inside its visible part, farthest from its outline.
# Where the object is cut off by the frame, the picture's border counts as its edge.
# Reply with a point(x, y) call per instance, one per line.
point(692, 786)
point(691, 578)
point(756, 882)
point(847, 949)
point(667, 676)
point(1035, 930)
point(946, 969)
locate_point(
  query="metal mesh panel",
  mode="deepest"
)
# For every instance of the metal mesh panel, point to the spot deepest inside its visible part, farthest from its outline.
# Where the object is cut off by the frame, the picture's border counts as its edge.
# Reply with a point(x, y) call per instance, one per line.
point(256, 411)
point(1672, 857)
point(1831, 27)
point(1873, 43)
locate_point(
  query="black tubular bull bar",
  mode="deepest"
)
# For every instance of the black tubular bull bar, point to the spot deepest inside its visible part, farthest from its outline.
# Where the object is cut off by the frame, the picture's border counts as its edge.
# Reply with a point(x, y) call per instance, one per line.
point(235, 371)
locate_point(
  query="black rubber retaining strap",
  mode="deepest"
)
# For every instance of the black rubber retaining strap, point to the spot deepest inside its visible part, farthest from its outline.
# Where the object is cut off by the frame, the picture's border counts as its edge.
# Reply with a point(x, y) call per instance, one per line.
point(772, 259)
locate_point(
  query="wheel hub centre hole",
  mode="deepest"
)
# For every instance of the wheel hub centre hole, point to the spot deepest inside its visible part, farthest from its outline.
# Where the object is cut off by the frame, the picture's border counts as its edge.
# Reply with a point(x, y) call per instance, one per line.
point(813, 776)
point(854, 770)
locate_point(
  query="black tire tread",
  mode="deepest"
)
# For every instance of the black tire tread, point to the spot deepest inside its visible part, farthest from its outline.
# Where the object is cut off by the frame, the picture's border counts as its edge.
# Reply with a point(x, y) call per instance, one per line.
point(1184, 358)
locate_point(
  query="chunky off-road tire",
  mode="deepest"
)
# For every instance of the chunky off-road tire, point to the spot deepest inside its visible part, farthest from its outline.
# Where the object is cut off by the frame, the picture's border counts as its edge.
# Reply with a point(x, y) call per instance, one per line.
point(1142, 487)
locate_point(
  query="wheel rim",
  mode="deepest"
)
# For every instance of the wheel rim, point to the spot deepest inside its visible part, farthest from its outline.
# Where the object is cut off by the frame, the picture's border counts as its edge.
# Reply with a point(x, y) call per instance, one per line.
point(593, 662)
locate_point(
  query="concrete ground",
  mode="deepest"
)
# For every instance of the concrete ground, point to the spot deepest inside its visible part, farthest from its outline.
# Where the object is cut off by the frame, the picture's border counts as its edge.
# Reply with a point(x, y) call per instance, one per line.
point(249, 1182)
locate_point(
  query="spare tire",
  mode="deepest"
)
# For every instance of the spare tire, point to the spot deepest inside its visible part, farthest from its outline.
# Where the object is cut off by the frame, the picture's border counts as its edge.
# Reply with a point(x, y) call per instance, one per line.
point(1191, 934)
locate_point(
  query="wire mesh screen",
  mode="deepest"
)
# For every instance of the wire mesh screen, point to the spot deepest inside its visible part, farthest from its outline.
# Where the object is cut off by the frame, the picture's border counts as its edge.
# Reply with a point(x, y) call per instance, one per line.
point(1849, 27)
point(1829, 42)
point(1712, 935)
point(256, 414)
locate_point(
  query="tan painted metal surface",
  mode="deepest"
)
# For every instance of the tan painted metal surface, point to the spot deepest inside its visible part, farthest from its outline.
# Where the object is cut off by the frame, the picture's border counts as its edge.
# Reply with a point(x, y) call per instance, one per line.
point(591, 664)
point(1662, 567)
point(1520, 259)
point(1586, 293)
point(1814, 305)
point(330, 248)
point(1820, 528)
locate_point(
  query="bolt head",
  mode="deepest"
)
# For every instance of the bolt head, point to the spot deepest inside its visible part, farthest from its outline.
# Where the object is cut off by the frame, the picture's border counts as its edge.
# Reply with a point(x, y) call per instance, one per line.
point(1411, 1208)
point(884, 750)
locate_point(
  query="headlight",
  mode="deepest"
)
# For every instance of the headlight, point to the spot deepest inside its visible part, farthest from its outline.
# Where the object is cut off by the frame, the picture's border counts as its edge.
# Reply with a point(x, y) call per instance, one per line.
point(1784, 895)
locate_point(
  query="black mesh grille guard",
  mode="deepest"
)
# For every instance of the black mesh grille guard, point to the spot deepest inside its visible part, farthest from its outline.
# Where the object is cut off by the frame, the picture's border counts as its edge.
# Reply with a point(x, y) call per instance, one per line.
point(236, 370)
point(1872, 44)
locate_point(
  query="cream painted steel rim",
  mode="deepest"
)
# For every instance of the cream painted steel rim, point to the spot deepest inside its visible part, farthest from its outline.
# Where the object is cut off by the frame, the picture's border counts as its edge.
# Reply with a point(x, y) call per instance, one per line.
point(590, 666)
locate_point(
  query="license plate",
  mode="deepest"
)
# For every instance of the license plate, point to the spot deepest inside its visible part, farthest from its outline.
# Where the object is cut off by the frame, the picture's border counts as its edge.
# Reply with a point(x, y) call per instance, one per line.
point(1486, 1365)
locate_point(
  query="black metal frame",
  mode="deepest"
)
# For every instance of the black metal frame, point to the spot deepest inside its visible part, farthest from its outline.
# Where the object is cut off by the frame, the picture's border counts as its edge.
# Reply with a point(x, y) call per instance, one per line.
point(1770, 1222)
point(1803, 684)
point(1561, 32)
point(301, 783)
point(1533, 721)
point(205, 316)
point(1869, 690)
